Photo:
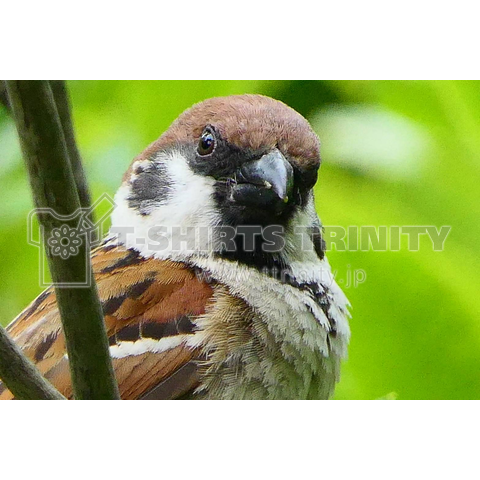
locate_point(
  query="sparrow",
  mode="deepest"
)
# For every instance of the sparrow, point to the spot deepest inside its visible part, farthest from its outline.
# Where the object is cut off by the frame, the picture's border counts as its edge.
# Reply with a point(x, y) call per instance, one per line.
point(213, 278)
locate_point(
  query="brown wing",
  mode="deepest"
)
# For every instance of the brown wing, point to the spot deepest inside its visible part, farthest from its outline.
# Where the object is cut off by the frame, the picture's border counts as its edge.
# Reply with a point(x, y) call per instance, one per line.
point(149, 307)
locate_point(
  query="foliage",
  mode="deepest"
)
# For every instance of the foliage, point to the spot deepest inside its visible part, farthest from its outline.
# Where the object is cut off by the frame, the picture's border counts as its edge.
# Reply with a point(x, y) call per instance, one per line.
point(394, 153)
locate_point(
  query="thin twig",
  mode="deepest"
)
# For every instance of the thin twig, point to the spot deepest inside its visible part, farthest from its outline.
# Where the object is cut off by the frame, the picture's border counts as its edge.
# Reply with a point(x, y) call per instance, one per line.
point(62, 101)
point(53, 186)
point(60, 94)
point(3, 95)
point(20, 375)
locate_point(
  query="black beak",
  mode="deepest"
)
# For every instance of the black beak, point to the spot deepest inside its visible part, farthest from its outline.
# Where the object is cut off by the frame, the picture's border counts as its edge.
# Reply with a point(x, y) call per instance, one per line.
point(266, 182)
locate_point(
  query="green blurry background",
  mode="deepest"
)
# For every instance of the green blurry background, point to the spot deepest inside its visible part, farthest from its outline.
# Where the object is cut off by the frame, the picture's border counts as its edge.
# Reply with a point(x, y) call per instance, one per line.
point(394, 153)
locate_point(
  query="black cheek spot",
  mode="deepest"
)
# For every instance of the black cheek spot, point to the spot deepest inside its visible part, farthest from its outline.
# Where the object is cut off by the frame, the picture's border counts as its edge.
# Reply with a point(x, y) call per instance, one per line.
point(151, 187)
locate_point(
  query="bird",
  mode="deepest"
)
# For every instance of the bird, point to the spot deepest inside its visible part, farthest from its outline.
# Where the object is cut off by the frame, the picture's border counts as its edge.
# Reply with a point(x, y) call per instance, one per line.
point(213, 278)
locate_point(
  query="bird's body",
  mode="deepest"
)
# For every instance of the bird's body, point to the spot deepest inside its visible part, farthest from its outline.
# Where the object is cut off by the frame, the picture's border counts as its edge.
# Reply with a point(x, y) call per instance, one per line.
point(228, 293)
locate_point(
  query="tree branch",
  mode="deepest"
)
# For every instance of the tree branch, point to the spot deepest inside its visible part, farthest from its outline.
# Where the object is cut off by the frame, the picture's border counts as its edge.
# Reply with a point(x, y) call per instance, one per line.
point(53, 186)
point(20, 375)
point(60, 94)
point(62, 102)
point(3, 95)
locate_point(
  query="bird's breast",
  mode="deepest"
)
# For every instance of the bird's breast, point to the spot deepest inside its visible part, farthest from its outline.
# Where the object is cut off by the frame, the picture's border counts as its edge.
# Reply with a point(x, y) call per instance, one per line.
point(269, 340)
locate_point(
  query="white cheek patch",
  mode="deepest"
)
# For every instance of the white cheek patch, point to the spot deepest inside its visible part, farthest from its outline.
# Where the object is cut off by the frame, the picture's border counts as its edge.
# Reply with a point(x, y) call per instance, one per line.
point(191, 203)
point(190, 207)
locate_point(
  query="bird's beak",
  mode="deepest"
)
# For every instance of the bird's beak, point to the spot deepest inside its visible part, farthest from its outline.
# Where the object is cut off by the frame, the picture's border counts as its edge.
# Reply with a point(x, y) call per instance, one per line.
point(266, 181)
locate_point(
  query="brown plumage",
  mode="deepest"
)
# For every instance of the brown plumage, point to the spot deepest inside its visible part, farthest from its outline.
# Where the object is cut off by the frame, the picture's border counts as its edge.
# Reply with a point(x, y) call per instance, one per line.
point(141, 298)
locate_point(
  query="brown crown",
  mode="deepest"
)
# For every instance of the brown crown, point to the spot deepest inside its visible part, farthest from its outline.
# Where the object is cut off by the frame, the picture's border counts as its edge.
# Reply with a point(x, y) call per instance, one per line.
point(248, 121)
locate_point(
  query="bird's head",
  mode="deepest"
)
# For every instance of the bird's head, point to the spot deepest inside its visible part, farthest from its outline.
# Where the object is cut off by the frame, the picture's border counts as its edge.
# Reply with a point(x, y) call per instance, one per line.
point(226, 163)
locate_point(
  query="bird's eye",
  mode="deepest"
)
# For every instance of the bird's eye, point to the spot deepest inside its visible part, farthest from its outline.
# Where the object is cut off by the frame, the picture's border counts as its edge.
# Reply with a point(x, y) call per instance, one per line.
point(206, 144)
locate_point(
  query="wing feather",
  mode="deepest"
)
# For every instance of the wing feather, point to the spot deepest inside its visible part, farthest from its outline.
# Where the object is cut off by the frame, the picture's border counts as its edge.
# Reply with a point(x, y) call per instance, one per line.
point(150, 308)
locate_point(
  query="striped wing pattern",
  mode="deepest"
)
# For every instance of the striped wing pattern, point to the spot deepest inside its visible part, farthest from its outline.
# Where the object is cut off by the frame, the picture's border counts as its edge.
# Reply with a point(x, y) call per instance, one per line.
point(150, 307)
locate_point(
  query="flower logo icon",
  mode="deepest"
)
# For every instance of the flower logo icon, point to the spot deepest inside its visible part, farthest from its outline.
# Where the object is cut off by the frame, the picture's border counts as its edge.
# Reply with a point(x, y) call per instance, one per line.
point(64, 242)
